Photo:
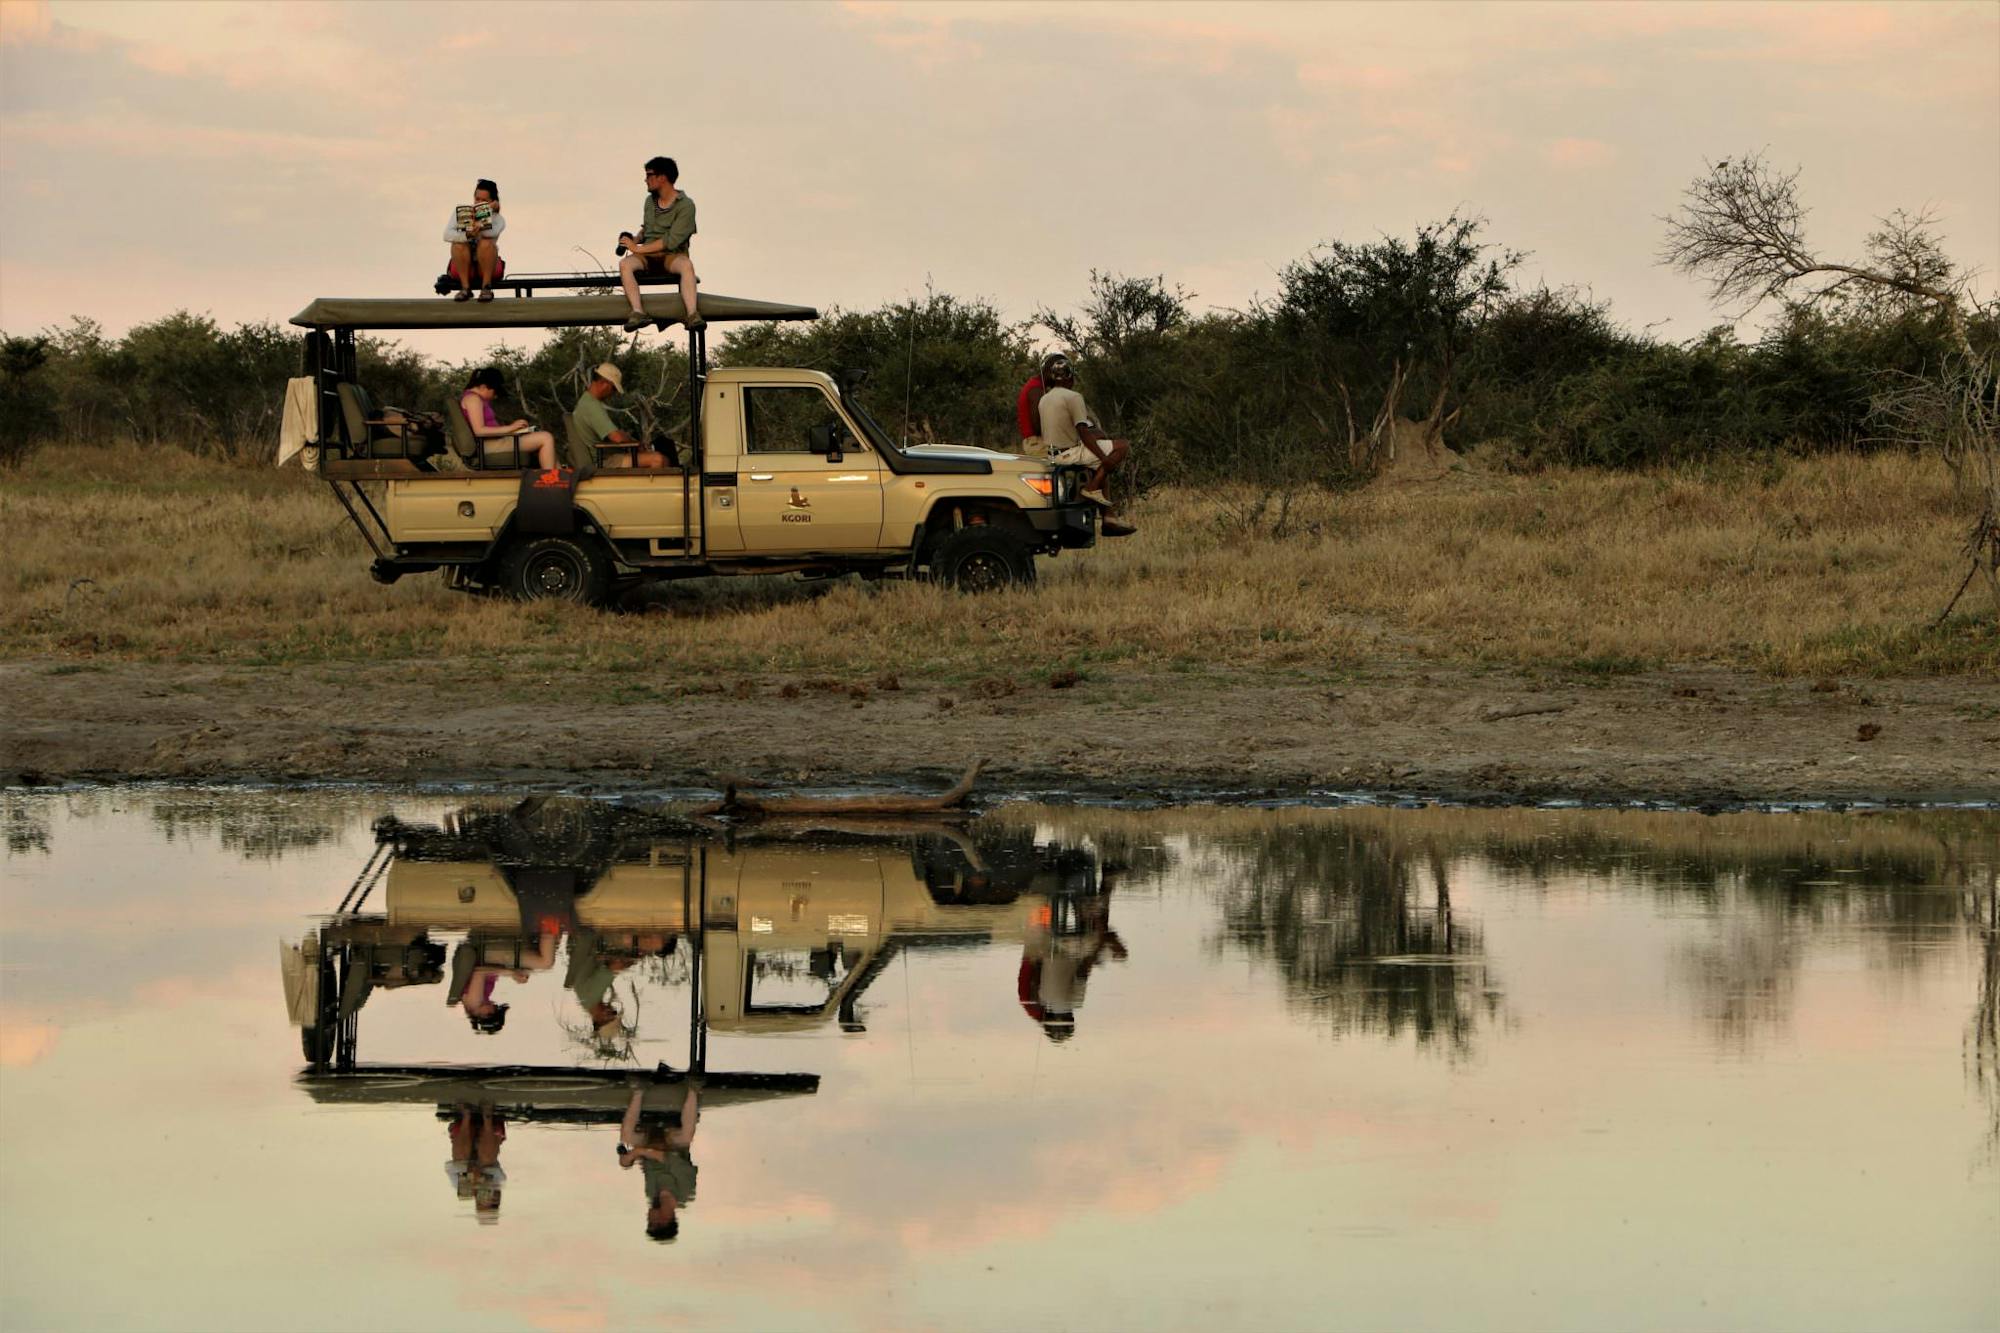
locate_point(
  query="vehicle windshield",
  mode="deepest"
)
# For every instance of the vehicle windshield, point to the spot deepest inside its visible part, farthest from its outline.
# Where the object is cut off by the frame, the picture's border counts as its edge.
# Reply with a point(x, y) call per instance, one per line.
point(873, 428)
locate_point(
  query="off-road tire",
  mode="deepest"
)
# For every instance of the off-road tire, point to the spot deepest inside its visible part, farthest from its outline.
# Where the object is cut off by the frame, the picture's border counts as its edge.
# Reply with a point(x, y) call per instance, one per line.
point(982, 557)
point(565, 569)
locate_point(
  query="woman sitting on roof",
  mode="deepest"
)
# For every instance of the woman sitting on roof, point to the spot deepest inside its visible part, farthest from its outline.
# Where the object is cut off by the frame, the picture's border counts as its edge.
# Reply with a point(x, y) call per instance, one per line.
point(474, 235)
point(477, 404)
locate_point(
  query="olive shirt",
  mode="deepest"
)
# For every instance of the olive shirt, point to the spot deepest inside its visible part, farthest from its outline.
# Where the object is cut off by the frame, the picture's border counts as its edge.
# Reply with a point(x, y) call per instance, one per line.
point(589, 978)
point(588, 427)
point(673, 224)
point(675, 1174)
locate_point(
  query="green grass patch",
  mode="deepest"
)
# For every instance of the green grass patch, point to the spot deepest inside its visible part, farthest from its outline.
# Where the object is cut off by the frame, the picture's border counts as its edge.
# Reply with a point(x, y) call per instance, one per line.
point(1965, 645)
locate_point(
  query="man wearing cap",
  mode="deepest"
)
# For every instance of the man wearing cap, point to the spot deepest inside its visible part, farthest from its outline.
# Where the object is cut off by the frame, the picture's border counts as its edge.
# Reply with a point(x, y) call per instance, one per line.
point(591, 429)
point(1071, 434)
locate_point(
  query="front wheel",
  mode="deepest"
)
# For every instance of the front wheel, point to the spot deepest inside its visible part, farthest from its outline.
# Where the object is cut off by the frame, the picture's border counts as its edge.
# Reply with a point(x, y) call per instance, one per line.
point(982, 558)
point(563, 569)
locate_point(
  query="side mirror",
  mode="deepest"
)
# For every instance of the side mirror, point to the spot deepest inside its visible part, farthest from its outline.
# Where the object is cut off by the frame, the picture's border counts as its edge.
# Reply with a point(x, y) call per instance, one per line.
point(824, 439)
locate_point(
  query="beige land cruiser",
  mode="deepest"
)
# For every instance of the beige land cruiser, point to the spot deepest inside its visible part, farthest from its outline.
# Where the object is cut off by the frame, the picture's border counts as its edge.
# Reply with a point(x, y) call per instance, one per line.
point(788, 473)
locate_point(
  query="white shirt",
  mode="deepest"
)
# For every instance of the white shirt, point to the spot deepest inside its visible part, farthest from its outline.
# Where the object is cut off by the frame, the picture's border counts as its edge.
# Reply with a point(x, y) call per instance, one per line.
point(494, 226)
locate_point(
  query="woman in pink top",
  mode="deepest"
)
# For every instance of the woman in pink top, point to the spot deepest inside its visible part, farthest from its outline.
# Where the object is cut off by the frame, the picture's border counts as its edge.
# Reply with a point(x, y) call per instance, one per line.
point(524, 439)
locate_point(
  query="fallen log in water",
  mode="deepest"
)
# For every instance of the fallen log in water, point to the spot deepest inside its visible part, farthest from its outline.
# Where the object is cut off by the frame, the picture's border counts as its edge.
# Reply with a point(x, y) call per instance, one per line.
point(736, 805)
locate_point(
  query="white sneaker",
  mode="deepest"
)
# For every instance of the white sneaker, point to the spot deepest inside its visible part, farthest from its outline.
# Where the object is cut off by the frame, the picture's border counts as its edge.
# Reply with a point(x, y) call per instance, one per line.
point(1098, 497)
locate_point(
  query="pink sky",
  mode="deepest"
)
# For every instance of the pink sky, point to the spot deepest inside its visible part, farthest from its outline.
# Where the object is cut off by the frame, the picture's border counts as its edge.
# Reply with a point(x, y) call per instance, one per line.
point(242, 159)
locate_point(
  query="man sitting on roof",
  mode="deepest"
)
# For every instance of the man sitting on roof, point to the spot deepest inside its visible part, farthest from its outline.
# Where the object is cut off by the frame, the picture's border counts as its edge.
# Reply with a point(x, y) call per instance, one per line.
point(662, 243)
point(592, 432)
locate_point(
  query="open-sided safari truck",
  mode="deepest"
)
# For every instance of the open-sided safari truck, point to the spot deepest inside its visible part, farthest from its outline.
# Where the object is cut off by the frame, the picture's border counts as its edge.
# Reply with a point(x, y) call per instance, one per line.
point(787, 472)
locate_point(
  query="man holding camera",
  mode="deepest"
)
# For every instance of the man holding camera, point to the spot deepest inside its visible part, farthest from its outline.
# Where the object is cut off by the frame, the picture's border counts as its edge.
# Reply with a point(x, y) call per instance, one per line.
point(661, 245)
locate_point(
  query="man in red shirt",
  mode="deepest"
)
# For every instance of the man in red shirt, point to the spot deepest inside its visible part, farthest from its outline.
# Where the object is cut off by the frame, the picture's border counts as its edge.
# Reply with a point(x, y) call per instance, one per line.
point(1028, 409)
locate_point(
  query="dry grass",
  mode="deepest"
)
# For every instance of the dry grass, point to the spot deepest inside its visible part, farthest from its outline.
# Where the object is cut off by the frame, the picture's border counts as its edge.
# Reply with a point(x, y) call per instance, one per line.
point(1806, 567)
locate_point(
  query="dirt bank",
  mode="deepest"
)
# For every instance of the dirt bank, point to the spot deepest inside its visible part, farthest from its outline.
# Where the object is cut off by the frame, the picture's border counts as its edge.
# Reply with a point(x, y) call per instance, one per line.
point(1688, 735)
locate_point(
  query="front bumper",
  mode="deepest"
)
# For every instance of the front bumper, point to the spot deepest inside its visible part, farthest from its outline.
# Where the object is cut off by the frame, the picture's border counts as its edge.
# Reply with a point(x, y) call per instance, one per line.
point(1070, 526)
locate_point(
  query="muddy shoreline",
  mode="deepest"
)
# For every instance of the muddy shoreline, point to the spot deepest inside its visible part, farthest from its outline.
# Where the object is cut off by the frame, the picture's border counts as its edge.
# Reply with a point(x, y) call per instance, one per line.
point(1691, 737)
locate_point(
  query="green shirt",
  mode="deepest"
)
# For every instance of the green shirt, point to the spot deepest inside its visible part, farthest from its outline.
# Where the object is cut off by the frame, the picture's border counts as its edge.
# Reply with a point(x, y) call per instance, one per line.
point(592, 419)
point(673, 224)
point(676, 1175)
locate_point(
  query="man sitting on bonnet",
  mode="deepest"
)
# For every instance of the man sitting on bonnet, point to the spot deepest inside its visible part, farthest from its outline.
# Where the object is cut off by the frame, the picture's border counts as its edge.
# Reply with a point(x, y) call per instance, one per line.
point(594, 437)
point(1071, 436)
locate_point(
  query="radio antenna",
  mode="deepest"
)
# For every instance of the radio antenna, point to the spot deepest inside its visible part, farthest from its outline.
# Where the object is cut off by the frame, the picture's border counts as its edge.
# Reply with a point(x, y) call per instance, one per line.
point(909, 373)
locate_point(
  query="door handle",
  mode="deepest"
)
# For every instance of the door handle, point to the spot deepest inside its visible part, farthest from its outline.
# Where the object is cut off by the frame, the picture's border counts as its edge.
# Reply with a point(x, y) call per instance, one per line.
point(761, 476)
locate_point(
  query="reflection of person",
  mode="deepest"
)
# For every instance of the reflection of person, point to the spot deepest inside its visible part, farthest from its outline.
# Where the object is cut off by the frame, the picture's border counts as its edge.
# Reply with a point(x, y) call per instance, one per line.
point(662, 1156)
point(589, 978)
point(1072, 436)
point(474, 1167)
point(477, 404)
point(476, 964)
point(476, 244)
point(1064, 941)
point(661, 246)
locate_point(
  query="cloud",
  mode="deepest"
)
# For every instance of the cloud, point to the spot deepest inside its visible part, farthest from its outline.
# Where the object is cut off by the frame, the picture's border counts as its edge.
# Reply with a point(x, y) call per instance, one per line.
point(118, 136)
point(29, 23)
point(1579, 154)
point(24, 1043)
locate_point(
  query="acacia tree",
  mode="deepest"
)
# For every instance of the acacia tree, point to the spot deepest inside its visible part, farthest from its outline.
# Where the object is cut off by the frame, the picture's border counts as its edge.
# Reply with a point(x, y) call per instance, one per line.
point(1741, 228)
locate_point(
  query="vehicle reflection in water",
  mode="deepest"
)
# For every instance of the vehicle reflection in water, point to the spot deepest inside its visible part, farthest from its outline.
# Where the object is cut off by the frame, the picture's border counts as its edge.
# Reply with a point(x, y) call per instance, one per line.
point(780, 930)
point(1267, 1061)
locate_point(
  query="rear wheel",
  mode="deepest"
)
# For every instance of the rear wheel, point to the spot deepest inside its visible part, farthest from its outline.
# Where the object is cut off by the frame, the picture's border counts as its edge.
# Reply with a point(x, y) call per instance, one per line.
point(563, 569)
point(982, 557)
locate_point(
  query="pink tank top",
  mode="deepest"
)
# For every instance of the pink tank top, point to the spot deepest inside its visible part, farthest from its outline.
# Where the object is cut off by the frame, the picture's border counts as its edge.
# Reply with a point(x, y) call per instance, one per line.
point(485, 411)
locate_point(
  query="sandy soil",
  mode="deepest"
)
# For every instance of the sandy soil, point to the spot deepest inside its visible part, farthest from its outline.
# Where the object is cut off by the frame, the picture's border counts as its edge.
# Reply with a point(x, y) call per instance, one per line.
point(1691, 736)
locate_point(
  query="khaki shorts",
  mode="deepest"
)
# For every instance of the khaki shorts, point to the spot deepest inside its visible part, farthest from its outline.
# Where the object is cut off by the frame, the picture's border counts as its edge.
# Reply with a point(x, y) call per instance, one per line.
point(1078, 455)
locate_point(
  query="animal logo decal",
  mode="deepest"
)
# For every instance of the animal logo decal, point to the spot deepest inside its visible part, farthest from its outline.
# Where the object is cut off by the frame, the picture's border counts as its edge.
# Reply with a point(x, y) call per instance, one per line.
point(798, 501)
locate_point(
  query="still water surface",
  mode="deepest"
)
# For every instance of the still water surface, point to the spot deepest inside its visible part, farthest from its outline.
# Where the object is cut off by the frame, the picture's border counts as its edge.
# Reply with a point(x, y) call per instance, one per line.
point(1054, 1068)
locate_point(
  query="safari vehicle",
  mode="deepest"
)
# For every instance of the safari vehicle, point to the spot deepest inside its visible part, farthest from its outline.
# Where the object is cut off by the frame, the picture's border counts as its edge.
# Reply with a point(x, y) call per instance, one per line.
point(786, 472)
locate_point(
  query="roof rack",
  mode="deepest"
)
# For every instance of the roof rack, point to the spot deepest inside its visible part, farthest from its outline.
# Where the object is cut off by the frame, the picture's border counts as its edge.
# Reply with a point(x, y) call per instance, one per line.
point(431, 312)
point(527, 284)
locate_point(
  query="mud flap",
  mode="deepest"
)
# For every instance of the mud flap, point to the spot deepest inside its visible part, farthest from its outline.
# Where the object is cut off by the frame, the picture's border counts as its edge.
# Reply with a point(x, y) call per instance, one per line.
point(547, 507)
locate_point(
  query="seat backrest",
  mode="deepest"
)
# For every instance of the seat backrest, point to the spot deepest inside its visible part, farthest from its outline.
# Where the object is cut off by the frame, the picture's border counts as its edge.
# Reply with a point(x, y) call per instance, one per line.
point(459, 431)
point(355, 410)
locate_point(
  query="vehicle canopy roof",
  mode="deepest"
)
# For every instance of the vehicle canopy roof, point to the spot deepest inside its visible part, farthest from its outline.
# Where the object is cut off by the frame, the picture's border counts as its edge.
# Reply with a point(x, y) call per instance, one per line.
point(541, 312)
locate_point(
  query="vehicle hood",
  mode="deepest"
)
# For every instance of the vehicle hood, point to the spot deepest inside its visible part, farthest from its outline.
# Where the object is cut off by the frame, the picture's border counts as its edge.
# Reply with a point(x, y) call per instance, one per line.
point(960, 451)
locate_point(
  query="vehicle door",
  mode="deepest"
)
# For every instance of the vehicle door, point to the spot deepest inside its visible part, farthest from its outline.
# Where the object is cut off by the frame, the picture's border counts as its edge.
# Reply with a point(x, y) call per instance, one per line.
point(790, 498)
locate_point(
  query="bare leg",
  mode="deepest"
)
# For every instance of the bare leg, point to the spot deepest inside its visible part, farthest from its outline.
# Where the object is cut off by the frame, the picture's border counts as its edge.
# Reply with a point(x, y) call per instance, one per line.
point(1115, 452)
point(461, 261)
point(628, 278)
point(684, 266)
point(544, 445)
point(489, 259)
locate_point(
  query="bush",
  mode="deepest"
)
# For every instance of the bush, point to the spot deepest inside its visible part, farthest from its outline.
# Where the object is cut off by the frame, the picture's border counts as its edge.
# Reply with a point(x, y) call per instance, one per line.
point(27, 402)
point(1253, 396)
point(939, 369)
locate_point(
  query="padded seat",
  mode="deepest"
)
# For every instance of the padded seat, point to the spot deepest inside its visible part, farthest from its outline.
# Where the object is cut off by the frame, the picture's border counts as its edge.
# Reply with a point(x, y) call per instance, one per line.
point(366, 433)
